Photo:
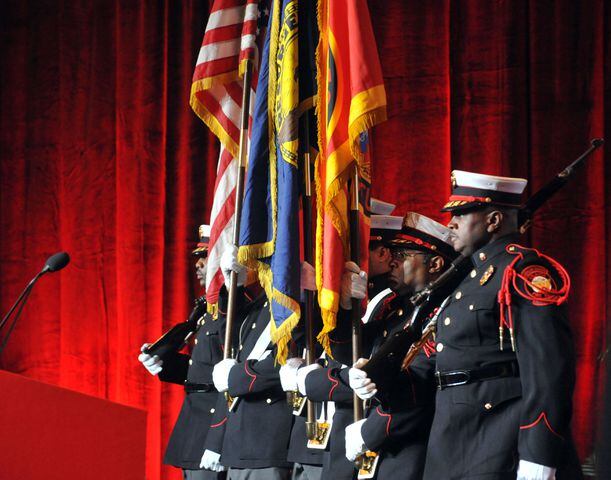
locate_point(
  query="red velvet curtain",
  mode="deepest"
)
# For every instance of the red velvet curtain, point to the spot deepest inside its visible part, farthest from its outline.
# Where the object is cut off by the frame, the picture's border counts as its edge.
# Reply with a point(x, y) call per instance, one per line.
point(101, 156)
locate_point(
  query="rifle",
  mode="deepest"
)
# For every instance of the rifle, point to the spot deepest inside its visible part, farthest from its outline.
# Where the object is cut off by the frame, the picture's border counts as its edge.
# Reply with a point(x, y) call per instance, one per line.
point(386, 362)
point(177, 337)
point(527, 210)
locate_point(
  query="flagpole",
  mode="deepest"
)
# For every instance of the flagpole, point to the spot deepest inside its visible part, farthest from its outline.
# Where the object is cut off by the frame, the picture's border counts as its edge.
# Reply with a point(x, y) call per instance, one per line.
point(239, 198)
point(309, 257)
point(356, 303)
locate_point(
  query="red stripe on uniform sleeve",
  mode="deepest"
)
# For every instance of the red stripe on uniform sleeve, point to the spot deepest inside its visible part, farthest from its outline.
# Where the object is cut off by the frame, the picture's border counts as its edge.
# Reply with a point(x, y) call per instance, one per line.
point(382, 414)
point(251, 375)
point(219, 424)
point(533, 424)
point(335, 383)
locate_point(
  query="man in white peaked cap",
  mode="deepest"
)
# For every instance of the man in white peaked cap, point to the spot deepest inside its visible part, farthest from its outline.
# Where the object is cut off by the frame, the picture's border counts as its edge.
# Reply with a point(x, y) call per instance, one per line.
point(505, 362)
point(194, 445)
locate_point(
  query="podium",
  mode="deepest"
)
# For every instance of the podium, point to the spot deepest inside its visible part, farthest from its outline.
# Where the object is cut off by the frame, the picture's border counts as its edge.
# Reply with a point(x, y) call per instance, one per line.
point(51, 433)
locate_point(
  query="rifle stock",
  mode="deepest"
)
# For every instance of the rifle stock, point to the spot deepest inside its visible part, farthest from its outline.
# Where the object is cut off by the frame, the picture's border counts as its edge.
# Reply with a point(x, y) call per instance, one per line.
point(176, 338)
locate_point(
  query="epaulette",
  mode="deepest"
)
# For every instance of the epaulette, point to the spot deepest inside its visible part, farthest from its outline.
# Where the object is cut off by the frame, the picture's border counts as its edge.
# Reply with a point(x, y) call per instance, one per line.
point(535, 277)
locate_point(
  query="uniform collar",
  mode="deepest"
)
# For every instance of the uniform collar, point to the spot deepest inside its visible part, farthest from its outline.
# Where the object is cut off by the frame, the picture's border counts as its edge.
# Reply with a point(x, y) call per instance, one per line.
point(377, 284)
point(493, 249)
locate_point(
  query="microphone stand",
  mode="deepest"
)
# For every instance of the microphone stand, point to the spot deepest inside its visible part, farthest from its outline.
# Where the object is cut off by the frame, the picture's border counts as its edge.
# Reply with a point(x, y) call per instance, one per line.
point(19, 303)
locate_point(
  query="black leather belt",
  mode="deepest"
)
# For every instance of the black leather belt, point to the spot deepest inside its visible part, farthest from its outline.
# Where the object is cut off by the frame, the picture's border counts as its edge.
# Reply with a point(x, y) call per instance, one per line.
point(455, 378)
point(199, 387)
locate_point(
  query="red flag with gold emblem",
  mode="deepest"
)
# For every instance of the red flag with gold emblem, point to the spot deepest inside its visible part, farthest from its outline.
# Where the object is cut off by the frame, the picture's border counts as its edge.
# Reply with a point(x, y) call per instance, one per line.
point(351, 100)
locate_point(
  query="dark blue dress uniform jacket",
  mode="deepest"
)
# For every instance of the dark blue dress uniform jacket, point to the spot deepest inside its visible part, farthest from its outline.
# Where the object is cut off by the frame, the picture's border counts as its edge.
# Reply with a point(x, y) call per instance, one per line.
point(482, 429)
point(298, 449)
point(397, 424)
point(186, 445)
point(257, 431)
point(298, 446)
point(331, 384)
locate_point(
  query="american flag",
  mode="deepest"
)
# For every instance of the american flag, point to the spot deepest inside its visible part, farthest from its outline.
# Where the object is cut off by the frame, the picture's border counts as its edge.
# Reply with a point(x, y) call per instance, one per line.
point(216, 97)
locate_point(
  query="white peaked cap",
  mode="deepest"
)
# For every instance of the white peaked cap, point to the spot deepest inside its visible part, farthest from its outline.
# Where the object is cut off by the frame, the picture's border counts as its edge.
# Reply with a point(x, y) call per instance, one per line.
point(201, 248)
point(378, 207)
point(386, 222)
point(481, 181)
point(204, 231)
point(427, 225)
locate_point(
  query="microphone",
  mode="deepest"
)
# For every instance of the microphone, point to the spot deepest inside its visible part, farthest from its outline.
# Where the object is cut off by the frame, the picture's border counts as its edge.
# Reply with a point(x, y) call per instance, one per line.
point(53, 264)
point(56, 262)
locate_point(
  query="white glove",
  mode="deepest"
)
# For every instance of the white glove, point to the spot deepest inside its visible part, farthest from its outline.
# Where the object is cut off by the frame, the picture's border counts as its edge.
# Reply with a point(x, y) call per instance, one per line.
point(355, 445)
point(533, 471)
point(307, 277)
point(229, 263)
point(220, 374)
point(211, 461)
point(359, 382)
point(152, 364)
point(288, 374)
point(302, 373)
point(354, 285)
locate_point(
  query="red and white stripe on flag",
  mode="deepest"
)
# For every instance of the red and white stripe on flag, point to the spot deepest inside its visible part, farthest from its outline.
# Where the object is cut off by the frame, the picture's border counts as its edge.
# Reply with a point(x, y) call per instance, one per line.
point(221, 220)
point(216, 97)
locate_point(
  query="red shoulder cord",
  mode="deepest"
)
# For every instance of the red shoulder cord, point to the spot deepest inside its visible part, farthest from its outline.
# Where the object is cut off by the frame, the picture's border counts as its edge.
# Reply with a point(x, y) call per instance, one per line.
point(548, 296)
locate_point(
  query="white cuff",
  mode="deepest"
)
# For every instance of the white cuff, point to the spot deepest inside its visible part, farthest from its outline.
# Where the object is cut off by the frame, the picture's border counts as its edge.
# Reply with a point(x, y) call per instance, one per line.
point(533, 471)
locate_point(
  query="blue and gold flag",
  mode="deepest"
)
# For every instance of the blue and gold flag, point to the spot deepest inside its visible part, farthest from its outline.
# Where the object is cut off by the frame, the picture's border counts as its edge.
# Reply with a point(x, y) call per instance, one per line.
point(269, 236)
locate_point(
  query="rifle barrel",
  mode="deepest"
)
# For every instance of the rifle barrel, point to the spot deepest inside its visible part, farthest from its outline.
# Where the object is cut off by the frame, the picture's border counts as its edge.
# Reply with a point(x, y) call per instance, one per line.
point(556, 183)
